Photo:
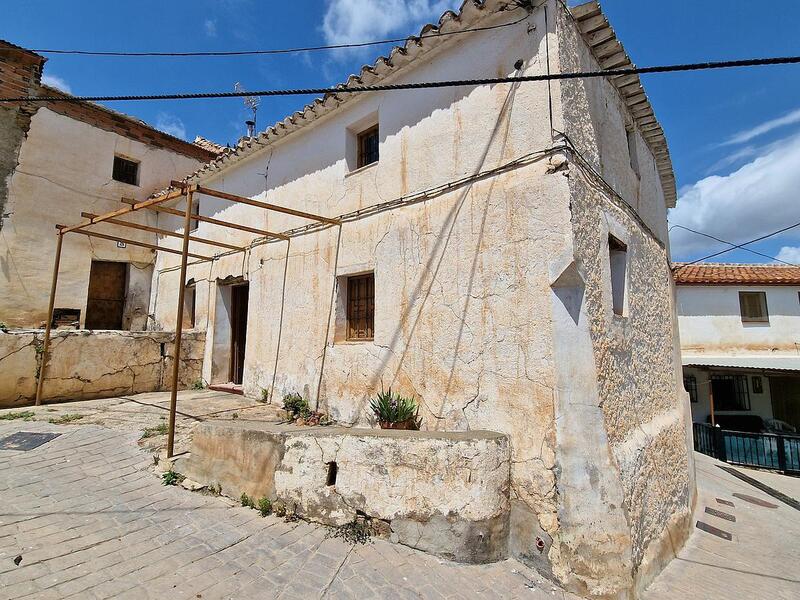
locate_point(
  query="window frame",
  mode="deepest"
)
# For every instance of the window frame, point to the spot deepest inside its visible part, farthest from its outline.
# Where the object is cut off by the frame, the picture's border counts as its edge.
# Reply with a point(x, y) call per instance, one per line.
point(194, 224)
point(618, 260)
point(690, 385)
point(741, 395)
point(633, 151)
point(122, 166)
point(763, 306)
point(361, 152)
point(352, 312)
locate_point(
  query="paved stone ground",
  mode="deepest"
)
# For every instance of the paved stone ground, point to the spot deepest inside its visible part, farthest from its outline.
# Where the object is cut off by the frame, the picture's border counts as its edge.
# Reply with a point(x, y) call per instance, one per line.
point(762, 560)
point(90, 520)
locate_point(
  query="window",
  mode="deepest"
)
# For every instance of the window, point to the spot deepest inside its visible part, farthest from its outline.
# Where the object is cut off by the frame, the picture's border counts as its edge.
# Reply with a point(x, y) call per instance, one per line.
point(194, 223)
point(758, 385)
point(361, 307)
point(753, 306)
point(730, 392)
point(189, 298)
point(126, 171)
point(368, 147)
point(630, 133)
point(690, 385)
point(618, 257)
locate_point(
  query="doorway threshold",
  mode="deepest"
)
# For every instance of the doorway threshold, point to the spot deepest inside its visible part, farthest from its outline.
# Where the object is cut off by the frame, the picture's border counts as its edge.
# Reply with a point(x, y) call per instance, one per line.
point(230, 388)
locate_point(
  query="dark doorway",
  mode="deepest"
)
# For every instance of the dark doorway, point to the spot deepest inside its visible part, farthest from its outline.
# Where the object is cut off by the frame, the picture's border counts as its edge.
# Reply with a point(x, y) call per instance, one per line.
point(786, 399)
point(239, 297)
point(106, 298)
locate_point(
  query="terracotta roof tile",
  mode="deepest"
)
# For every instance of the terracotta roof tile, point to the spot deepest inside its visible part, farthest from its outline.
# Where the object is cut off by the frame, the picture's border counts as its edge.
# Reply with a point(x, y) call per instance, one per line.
point(735, 274)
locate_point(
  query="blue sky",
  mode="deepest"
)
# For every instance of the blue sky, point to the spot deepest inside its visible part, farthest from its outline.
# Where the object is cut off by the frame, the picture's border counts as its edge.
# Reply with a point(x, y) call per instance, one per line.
point(734, 135)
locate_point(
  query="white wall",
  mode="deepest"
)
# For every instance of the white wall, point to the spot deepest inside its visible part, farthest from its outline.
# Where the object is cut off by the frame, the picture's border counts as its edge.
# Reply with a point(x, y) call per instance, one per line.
point(710, 321)
point(65, 167)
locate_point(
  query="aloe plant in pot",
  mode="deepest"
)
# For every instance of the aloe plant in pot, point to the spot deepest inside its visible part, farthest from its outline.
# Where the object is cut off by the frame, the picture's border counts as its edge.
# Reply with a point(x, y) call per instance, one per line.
point(394, 411)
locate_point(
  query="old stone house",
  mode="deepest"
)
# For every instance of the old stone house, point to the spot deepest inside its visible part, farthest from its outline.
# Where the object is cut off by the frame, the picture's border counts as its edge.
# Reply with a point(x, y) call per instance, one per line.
point(502, 257)
point(739, 329)
point(58, 159)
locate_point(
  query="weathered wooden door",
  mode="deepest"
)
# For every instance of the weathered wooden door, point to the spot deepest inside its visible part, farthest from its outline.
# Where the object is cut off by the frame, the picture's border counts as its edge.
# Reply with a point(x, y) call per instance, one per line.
point(239, 298)
point(106, 301)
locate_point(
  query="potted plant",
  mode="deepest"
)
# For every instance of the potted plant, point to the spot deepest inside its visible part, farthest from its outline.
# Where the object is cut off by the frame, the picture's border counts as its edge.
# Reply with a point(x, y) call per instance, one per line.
point(394, 411)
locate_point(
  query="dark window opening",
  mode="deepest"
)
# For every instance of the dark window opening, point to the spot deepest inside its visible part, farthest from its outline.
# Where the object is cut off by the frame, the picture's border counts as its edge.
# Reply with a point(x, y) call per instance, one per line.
point(189, 298)
point(332, 471)
point(368, 147)
point(361, 307)
point(66, 317)
point(126, 171)
point(753, 307)
point(633, 153)
point(758, 385)
point(730, 392)
point(195, 223)
point(690, 385)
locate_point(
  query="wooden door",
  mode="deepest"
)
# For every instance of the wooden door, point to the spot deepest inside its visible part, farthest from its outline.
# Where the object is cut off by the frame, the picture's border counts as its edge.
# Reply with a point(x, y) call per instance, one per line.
point(239, 298)
point(106, 301)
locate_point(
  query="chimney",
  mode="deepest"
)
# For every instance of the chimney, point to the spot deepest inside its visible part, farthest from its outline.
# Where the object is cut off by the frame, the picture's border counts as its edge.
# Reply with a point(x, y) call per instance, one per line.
point(251, 128)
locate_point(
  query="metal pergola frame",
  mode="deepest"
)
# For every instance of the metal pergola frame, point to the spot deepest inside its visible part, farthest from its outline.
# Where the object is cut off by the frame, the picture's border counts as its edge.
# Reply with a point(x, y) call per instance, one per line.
point(178, 190)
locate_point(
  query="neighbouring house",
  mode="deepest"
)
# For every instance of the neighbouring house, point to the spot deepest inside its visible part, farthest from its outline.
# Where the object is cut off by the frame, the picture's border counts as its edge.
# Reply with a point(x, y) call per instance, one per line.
point(740, 344)
point(501, 255)
point(57, 160)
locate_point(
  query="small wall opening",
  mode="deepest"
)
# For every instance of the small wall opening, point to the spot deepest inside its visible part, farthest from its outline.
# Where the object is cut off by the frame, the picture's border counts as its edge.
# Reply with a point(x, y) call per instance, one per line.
point(618, 259)
point(330, 478)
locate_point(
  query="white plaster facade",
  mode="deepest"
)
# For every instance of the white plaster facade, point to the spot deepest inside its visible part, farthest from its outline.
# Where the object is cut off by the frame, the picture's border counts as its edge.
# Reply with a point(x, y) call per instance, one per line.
point(488, 236)
point(65, 167)
point(716, 340)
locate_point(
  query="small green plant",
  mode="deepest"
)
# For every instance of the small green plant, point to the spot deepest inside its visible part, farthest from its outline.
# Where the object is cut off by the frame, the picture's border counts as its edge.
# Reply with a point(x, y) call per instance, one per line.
point(295, 404)
point(172, 478)
point(390, 407)
point(264, 395)
point(160, 429)
point(3, 327)
point(247, 501)
point(355, 532)
point(64, 419)
point(25, 415)
point(264, 506)
point(199, 384)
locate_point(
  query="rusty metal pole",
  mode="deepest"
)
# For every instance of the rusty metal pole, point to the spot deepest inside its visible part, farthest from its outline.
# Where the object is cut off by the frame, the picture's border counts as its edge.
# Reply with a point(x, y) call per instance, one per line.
point(176, 358)
point(46, 346)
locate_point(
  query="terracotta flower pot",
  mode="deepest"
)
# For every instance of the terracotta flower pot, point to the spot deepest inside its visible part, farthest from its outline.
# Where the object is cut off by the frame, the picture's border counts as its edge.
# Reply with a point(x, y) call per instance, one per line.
point(408, 424)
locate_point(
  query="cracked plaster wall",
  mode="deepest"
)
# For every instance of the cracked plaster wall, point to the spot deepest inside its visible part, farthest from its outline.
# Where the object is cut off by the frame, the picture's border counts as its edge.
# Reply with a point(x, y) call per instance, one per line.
point(84, 365)
point(464, 306)
point(52, 184)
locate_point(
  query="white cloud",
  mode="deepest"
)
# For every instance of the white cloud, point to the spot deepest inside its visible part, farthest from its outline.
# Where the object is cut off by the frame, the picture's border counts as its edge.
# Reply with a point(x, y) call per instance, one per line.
point(210, 26)
point(749, 134)
point(732, 158)
point(349, 21)
point(171, 124)
point(56, 82)
point(790, 254)
point(757, 199)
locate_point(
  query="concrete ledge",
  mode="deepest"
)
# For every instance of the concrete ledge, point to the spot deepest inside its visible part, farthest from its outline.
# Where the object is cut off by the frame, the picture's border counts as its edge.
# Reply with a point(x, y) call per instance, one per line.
point(445, 493)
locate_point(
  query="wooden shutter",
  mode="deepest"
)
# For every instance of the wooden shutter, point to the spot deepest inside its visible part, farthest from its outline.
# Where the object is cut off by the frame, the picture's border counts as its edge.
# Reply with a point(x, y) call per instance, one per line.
point(361, 307)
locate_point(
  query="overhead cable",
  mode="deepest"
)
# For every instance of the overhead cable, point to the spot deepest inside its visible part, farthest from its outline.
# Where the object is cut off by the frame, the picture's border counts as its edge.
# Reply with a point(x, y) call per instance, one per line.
point(341, 89)
point(741, 247)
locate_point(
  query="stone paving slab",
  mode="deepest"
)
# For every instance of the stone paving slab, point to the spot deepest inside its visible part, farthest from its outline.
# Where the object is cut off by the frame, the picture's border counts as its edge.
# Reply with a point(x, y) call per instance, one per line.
point(90, 520)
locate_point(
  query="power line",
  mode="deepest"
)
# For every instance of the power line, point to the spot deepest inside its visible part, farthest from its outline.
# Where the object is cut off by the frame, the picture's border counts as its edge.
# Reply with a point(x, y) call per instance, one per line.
point(753, 241)
point(275, 51)
point(731, 244)
point(754, 62)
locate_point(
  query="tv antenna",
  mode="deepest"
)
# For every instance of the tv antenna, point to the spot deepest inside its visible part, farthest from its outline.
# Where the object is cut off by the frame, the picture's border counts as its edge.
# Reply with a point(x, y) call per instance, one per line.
point(252, 103)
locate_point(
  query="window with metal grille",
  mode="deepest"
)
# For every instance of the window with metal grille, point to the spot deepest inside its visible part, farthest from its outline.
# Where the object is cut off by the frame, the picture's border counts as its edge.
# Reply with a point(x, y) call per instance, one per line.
point(126, 171)
point(753, 306)
point(690, 385)
point(730, 392)
point(368, 147)
point(361, 307)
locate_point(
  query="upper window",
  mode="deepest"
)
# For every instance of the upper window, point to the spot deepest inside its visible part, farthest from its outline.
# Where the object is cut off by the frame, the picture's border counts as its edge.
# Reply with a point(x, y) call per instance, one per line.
point(618, 257)
point(361, 307)
point(195, 223)
point(730, 392)
point(126, 171)
point(753, 306)
point(368, 147)
point(630, 133)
